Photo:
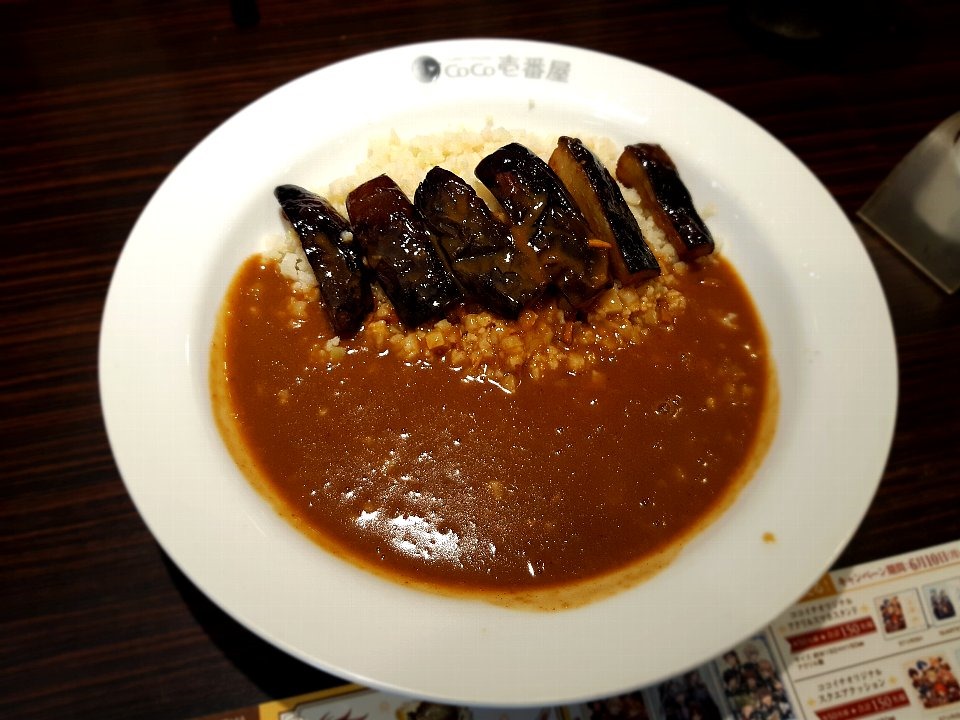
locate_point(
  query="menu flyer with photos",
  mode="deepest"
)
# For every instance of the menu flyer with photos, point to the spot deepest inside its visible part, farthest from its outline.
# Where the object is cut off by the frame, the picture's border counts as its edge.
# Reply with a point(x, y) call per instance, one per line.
point(878, 641)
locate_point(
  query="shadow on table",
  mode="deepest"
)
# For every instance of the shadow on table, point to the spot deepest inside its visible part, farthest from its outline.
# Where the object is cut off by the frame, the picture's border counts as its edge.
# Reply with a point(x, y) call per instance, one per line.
point(274, 672)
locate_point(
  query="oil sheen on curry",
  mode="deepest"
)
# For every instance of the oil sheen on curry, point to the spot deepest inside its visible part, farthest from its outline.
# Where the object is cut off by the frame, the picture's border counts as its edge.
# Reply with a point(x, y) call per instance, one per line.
point(542, 453)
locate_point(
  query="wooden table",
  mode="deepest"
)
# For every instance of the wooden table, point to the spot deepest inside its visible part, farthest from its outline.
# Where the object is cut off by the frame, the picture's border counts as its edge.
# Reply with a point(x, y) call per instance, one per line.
point(101, 100)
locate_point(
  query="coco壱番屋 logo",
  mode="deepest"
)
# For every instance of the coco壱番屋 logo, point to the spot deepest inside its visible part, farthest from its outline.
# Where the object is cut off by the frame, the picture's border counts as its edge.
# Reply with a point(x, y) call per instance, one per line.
point(427, 69)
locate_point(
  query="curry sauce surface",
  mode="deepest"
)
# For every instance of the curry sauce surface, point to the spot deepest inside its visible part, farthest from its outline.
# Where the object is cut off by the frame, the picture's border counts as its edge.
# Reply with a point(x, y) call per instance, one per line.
point(438, 478)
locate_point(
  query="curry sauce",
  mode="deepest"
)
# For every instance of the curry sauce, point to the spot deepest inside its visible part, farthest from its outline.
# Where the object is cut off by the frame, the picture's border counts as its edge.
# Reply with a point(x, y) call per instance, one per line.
point(570, 487)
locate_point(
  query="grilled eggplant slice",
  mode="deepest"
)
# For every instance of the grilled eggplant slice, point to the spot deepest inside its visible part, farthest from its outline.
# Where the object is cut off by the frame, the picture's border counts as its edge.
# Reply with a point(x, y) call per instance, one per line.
point(607, 214)
point(401, 251)
point(648, 169)
point(493, 270)
point(464, 224)
point(546, 217)
point(335, 259)
point(522, 183)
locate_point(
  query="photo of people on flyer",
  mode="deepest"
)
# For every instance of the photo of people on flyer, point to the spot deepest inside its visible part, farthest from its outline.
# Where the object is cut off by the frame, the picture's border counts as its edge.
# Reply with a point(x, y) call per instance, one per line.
point(934, 682)
point(687, 697)
point(620, 707)
point(753, 688)
point(891, 612)
point(940, 599)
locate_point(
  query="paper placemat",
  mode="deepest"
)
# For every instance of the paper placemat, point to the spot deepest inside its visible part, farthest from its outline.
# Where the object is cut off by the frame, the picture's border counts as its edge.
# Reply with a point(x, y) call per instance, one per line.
point(879, 641)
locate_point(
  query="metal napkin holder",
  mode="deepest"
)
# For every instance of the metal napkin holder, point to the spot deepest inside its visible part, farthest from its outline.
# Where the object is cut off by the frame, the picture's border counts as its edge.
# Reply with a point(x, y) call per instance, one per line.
point(917, 208)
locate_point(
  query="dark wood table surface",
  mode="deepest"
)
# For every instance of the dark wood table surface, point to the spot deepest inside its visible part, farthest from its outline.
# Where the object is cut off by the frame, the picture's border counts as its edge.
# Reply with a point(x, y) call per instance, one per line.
point(102, 99)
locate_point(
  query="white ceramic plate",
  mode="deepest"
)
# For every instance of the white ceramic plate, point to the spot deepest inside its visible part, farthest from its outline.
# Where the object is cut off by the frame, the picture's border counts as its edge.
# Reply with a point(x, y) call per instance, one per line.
point(808, 273)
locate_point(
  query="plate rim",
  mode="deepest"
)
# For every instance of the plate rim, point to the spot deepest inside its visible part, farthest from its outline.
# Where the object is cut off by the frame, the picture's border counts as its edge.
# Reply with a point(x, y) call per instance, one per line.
point(109, 338)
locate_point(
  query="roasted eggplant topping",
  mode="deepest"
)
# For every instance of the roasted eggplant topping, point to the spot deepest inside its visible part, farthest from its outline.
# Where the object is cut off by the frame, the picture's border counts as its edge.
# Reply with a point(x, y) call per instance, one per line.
point(522, 183)
point(546, 217)
point(648, 169)
point(580, 266)
point(401, 251)
point(334, 257)
point(463, 222)
point(490, 266)
point(607, 214)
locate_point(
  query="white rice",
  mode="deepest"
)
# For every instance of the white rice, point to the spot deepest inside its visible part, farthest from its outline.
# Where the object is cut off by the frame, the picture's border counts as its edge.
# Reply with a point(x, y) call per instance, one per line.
point(544, 339)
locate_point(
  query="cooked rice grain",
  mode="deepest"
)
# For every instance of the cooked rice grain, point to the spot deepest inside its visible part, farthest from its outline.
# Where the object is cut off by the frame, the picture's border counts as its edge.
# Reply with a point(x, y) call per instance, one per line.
point(544, 339)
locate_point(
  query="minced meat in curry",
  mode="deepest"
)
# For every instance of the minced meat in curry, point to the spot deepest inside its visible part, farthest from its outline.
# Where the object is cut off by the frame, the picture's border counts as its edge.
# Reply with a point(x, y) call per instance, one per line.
point(415, 465)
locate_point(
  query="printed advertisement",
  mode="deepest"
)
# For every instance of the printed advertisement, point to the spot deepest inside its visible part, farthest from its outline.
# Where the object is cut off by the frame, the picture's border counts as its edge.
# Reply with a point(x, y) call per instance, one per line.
point(879, 641)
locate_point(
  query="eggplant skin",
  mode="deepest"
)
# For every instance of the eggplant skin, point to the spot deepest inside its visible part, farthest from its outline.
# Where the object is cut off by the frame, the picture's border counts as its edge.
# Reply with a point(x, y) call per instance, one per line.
point(335, 259)
point(502, 282)
point(401, 251)
point(607, 214)
point(487, 262)
point(522, 183)
point(580, 271)
point(464, 224)
point(546, 217)
point(648, 169)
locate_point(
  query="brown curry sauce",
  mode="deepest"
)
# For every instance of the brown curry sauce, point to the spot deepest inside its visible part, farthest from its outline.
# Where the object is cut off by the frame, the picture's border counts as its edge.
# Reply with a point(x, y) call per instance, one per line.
point(440, 480)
